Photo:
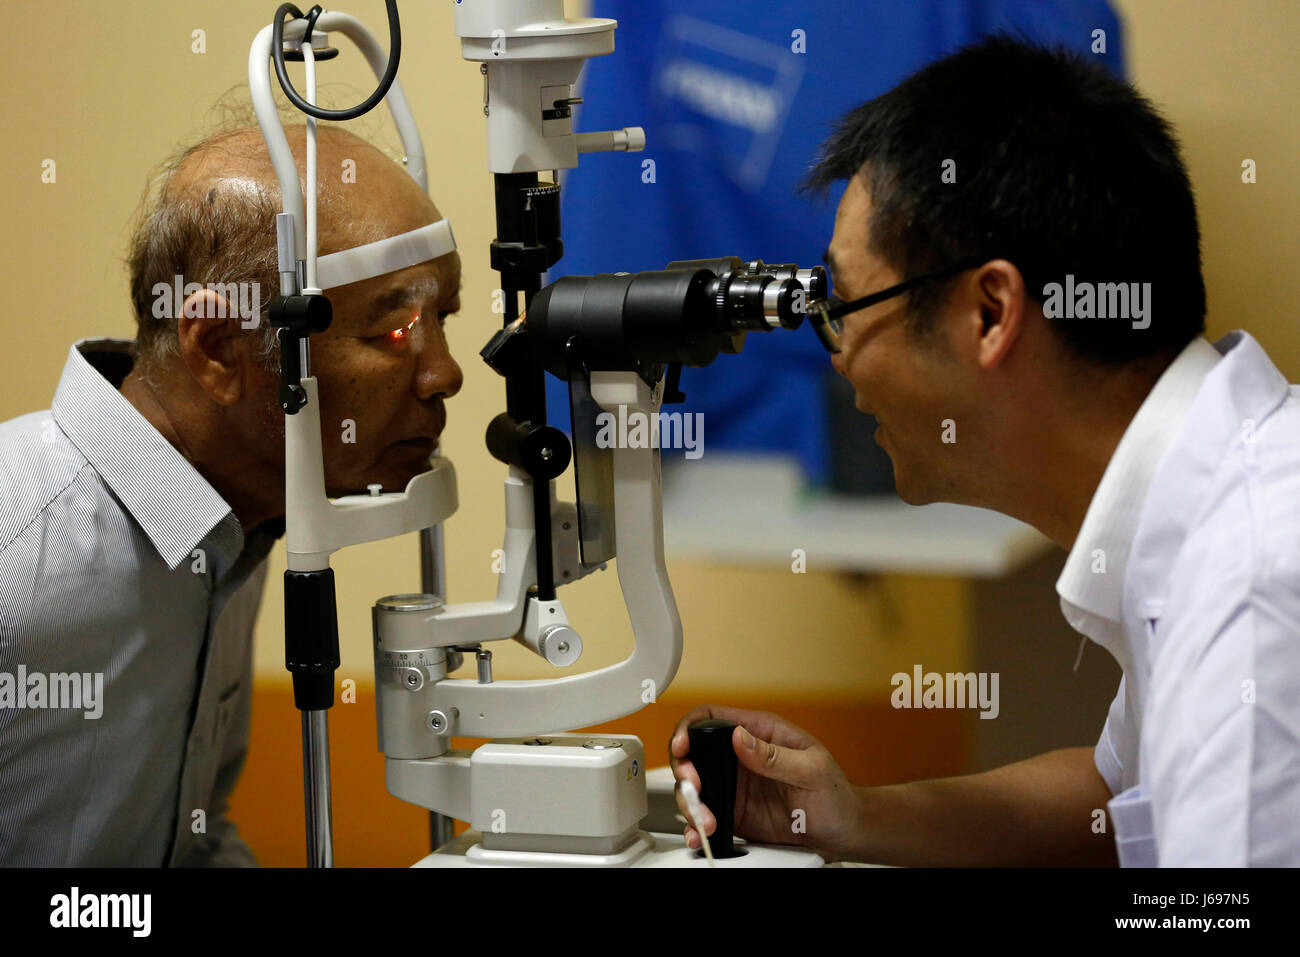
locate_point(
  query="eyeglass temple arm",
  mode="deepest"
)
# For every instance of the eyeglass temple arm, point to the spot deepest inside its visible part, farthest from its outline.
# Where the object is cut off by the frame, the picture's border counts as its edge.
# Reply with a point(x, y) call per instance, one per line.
point(843, 309)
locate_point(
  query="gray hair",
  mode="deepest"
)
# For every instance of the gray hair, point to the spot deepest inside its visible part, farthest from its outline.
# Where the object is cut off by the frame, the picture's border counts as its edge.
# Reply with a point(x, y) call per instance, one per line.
point(209, 234)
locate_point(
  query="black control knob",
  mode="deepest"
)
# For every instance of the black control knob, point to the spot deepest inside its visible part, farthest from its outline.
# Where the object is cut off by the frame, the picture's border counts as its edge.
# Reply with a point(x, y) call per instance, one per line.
point(715, 762)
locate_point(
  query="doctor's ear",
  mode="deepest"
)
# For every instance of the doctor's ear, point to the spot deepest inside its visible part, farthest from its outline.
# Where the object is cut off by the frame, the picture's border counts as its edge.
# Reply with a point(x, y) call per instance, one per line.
point(1000, 303)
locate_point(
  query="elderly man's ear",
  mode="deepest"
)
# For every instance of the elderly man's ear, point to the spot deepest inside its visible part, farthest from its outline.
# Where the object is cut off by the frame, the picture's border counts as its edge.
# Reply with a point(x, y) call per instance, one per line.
point(211, 348)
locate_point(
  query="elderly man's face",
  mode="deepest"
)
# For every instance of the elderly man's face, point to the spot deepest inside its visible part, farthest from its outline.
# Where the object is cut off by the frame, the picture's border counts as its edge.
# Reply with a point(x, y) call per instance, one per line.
point(383, 367)
point(898, 379)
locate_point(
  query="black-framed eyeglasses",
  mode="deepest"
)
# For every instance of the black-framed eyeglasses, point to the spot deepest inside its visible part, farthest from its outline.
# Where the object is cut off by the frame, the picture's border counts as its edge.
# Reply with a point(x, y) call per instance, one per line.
point(827, 315)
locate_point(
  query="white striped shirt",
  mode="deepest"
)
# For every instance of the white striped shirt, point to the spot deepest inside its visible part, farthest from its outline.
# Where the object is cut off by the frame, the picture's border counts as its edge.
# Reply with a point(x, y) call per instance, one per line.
point(117, 558)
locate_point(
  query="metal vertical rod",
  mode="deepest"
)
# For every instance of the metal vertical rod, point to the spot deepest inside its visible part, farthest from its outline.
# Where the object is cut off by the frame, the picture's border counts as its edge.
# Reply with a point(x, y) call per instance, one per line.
point(433, 581)
point(316, 788)
point(441, 829)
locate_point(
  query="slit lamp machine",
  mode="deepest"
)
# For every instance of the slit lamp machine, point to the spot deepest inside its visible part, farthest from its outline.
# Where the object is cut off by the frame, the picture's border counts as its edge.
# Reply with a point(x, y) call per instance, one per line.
point(534, 794)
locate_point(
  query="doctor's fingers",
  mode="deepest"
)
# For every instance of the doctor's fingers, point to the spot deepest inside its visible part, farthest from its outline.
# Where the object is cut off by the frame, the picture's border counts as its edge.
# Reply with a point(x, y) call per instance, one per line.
point(796, 767)
point(707, 820)
point(679, 744)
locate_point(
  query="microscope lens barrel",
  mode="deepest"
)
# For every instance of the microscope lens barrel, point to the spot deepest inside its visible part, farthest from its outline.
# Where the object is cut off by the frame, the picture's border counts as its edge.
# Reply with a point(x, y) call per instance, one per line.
point(813, 281)
point(685, 314)
point(625, 319)
point(743, 301)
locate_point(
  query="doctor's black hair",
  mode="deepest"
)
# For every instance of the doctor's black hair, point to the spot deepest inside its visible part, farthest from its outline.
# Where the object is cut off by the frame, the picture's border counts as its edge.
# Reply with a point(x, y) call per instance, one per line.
point(1061, 168)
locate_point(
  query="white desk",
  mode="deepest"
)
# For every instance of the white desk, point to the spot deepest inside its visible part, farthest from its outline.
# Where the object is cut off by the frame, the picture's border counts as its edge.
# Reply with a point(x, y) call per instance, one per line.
point(751, 510)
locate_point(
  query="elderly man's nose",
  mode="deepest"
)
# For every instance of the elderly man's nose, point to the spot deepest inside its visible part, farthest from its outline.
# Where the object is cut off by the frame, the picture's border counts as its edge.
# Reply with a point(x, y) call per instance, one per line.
point(437, 373)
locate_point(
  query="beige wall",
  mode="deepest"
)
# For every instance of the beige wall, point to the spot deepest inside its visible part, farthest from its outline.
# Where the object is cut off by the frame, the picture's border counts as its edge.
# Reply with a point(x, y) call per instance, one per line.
point(108, 101)
point(1226, 74)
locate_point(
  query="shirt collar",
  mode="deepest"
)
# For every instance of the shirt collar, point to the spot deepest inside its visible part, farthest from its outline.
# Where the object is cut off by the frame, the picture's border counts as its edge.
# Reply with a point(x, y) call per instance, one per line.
point(174, 505)
point(1091, 585)
point(1238, 396)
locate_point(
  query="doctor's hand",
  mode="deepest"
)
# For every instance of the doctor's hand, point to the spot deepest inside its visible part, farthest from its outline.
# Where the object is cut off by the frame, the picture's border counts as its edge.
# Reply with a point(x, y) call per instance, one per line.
point(789, 790)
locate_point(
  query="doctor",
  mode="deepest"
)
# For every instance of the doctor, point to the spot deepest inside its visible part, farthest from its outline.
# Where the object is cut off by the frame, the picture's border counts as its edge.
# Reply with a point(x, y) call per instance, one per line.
point(1042, 216)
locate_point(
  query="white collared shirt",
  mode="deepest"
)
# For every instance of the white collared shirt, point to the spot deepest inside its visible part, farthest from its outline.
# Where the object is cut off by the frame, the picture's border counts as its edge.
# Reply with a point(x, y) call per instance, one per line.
point(1187, 569)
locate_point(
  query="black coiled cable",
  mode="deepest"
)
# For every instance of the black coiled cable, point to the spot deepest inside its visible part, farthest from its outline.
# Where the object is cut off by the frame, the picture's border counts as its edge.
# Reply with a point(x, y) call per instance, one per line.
point(277, 54)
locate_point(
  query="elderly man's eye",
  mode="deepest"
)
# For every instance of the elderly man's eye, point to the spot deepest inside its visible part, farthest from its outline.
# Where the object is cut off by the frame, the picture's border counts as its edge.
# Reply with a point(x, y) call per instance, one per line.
point(400, 334)
point(404, 331)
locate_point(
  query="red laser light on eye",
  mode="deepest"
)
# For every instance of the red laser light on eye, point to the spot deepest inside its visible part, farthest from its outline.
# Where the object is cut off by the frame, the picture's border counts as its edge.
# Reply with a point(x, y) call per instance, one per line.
point(399, 334)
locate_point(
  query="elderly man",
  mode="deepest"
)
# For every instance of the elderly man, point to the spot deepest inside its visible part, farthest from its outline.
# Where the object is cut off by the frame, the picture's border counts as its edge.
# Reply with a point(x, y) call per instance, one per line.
point(139, 509)
point(1013, 194)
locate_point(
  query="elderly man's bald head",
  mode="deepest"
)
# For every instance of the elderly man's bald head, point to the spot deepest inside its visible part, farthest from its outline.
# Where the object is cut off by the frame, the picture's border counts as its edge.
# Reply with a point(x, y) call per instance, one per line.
point(210, 218)
point(210, 387)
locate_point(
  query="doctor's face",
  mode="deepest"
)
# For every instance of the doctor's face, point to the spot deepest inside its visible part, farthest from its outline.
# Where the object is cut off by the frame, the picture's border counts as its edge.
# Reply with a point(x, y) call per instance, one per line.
point(900, 377)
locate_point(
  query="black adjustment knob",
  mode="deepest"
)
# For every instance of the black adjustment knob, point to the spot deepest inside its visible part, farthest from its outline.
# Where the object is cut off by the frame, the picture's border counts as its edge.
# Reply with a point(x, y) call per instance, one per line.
point(791, 304)
point(715, 762)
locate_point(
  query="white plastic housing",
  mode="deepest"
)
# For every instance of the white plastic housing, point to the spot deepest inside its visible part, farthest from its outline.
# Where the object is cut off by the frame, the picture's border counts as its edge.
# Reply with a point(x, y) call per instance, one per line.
point(511, 707)
point(562, 788)
point(533, 56)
